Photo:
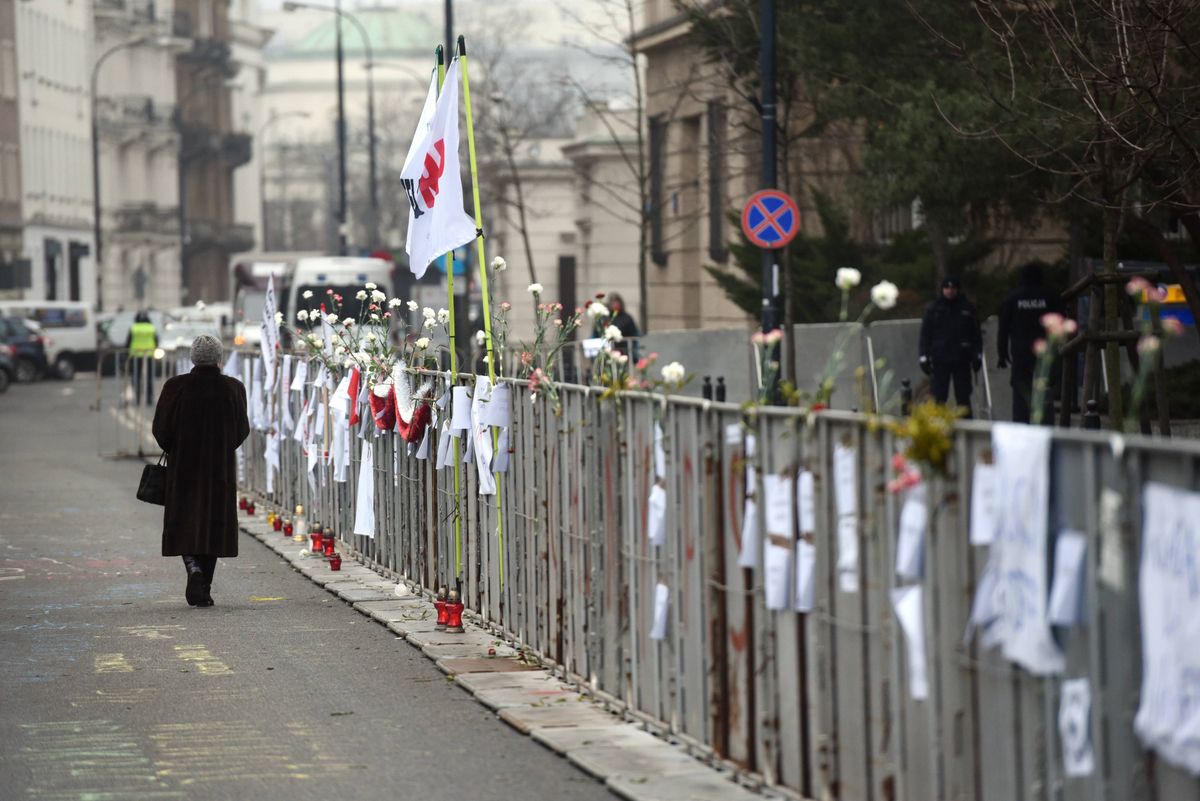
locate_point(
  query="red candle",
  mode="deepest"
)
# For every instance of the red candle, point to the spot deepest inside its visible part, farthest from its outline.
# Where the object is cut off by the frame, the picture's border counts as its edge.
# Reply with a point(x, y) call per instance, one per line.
point(454, 610)
point(317, 541)
point(277, 523)
point(329, 542)
point(335, 562)
point(287, 528)
point(250, 508)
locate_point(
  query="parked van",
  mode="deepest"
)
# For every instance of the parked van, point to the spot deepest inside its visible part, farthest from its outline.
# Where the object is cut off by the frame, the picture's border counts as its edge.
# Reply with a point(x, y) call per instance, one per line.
point(70, 326)
point(345, 275)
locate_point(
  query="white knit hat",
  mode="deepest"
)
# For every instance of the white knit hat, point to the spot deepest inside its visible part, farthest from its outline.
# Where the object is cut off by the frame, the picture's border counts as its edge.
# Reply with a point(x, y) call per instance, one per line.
point(206, 349)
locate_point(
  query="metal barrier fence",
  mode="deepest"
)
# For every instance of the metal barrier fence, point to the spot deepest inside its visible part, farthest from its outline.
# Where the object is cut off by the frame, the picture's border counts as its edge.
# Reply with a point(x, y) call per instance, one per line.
point(814, 704)
point(126, 388)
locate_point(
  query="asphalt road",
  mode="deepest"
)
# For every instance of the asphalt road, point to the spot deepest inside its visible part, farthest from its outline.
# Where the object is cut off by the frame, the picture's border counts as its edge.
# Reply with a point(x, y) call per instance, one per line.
point(112, 688)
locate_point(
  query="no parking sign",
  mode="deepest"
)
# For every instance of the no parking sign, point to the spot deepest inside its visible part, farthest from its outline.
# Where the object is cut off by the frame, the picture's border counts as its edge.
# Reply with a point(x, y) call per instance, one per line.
point(770, 219)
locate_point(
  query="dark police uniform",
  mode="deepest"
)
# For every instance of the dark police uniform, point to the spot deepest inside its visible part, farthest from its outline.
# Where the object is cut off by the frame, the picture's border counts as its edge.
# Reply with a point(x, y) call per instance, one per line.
point(1020, 327)
point(951, 346)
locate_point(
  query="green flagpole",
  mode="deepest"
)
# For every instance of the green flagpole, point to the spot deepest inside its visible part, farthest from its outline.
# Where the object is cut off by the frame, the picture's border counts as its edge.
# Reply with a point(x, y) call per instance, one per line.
point(483, 285)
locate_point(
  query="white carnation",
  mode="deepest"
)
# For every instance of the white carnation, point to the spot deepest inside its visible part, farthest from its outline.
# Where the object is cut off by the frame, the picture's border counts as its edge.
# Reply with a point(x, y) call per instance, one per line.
point(443, 316)
point(395, 303)
point(499, 264)
point(535, 289)
point(348, 322)
point(302, 315)
point(674, 373)
point(430, 323)
point(847, 278)
point(307, 294)
point(884, 294)
point(331, 318)
point(360, 295)
point(369, 285)
point(278, 318)
point(377, 296)
point(480, 338)
point(422, 343)
point(597, 310)
point(413, 305)
point(613, 334)
point(428, 313)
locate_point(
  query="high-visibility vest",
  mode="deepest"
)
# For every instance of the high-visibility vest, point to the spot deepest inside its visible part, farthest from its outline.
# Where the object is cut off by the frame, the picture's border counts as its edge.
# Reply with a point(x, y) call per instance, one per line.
point(142, 339)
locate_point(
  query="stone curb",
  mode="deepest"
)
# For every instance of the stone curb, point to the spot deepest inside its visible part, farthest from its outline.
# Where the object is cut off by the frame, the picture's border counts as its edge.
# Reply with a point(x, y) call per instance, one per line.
point(632, 762)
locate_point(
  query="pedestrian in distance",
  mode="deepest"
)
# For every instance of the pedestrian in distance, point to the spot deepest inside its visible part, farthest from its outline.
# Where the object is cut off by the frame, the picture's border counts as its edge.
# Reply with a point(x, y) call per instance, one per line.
point(624, 322)
point(951, 345)
point(140, 344)
point(199, 423)
point(1020, 327)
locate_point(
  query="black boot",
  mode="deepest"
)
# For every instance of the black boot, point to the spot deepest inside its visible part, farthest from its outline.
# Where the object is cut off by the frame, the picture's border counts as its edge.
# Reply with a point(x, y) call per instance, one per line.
point(209, 565)
point(196, 591)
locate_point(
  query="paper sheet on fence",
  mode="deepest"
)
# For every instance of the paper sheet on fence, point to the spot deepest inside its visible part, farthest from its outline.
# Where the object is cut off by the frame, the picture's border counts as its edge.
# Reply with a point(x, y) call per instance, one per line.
point(778, 509)
point(1066, 590)
point(910, 543)
point(258, 416)
point(906, 601)
point(286, 423)
point(806, 564)
point(364, 506)
point(806, 502)
point(481, 436)
point(460, 411)
point(423, 448)
point(444, 445)
point(847, 556)
point(845, 479)
point(300, 377)
point(656, 516)
point(500, 462)
point(341, 448)
point(233, 366)
point(748, 555)
point(658, 629)
point(983, 504)
point(1168, 715)
point(660, 454)
point(1019, 553)
point(1075, 728)
point(498, 410)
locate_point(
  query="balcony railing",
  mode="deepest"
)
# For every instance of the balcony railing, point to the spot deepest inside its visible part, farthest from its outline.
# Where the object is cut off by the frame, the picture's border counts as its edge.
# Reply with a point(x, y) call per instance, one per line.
point(208, 235)
point(135, 112)
point(147, 218)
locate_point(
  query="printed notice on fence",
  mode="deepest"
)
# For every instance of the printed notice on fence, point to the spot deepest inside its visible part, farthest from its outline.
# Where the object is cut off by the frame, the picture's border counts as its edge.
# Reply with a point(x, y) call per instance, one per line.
point(658, 628)
point(806, 562)
point(777, 554)
point(748, 556)
point(1074, 728)
point(1168, 715)
point(806, 502)
point(906, 601)
point(1019, 621)
point(983, 504)
point(845, 486)
point(910, 544)
point(660, 455)
point(656, 516)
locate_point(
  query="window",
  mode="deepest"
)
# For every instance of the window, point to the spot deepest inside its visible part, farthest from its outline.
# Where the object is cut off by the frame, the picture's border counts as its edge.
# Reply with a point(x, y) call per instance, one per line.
point(716, 182)
point(658, 141)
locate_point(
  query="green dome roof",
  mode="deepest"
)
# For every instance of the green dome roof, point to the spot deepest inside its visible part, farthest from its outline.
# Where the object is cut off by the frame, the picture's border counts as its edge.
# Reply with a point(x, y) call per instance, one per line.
point(390, 31)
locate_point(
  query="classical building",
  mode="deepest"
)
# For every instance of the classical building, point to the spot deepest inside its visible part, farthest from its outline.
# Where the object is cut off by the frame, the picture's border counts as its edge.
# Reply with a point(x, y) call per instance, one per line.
point(248, 37)
point(298, 116)
point(54, 43)
point(138, 144)
point(13, 270)
point(211, 147)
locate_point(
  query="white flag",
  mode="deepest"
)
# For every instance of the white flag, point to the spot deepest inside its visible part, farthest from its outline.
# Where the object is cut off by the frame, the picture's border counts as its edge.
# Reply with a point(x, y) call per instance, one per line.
point(423, 124)
point(270, 332)
point(433, 182)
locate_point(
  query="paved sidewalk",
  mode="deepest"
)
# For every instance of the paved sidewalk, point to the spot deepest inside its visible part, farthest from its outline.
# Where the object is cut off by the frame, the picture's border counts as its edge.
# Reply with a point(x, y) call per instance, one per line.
point(632, 762)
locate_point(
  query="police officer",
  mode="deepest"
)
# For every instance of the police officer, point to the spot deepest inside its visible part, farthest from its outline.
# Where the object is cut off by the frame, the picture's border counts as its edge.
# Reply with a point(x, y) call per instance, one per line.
point(141, 343)
point(951, 345)
point(1020, 327)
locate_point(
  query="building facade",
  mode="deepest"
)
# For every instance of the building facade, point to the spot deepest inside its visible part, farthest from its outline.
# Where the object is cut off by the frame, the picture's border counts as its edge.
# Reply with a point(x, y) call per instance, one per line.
point(14, 271)
point(211, 148)
point(138, 146)
point(248, 37)
point(54, 44)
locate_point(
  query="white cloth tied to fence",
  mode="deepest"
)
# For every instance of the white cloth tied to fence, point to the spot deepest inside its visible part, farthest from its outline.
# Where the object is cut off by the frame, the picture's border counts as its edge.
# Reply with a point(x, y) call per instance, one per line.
point(845, 485)
point(301, 376)
point(910, 542)
point(908, 604)
point(1014, 610)
point(656, 516)
point(1168, 715)
point(481, 436)
point(658, 628)
point(364, 506)
point(460, 411)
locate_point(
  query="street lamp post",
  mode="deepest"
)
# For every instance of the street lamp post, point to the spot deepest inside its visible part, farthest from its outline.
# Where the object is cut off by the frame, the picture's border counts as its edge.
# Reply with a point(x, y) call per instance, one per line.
point(259, 138)
point(372, 171)
point(98, 264)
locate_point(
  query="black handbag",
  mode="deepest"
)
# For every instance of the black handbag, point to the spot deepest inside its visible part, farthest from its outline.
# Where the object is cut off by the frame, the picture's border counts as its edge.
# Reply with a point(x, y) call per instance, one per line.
point(153, 486)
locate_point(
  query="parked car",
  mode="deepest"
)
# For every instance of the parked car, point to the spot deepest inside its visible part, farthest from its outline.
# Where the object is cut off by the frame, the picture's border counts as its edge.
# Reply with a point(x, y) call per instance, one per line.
point(8, 366)
point(71, 329)
point(30, 346)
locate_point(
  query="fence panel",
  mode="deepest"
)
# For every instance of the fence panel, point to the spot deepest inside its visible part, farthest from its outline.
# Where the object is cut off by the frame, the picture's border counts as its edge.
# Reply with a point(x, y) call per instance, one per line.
point(817, 704)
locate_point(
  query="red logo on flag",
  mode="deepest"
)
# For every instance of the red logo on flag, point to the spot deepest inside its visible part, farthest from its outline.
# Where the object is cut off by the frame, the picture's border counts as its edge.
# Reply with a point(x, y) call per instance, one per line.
point(428, 185)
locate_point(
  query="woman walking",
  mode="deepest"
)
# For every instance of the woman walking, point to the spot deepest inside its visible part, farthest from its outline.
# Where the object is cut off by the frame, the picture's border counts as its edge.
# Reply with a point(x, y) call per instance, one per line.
point(199, 422)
